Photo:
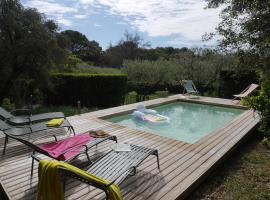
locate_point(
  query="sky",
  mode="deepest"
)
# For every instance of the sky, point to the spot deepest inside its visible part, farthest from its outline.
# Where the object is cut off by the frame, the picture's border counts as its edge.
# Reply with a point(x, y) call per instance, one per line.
point(176, 23)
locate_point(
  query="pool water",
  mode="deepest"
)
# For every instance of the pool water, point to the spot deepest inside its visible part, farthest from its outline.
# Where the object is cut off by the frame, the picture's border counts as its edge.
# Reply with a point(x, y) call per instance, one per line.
point(189, 122)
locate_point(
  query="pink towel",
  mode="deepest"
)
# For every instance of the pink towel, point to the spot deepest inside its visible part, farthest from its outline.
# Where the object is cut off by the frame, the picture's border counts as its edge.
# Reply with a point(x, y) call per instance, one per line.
point(72, 146)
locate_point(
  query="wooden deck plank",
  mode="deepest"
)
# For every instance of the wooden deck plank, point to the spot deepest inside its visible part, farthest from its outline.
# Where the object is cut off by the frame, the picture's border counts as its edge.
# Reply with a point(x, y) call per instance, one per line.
point(183, 165)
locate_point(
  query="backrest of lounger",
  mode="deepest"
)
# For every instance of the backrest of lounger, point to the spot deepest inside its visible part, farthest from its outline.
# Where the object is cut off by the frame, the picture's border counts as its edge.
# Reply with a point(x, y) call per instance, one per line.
point(189, 86)
point(29, 144)
point(250, 89)
point(4, 114)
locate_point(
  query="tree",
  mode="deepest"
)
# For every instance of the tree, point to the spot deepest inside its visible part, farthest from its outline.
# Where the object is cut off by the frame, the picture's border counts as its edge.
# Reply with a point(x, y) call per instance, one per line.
point(80, 46)
point(28, 50)
point(245, 28)
point(128, 48)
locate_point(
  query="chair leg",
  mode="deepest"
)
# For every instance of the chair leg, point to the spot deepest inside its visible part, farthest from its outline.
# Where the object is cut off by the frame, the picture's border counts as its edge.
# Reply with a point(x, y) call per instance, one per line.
point(64, 185)
point(72, 130)
point(115, 139)
point(156, 154)
point(5, 144)
point(32, 165)
point(87, 156)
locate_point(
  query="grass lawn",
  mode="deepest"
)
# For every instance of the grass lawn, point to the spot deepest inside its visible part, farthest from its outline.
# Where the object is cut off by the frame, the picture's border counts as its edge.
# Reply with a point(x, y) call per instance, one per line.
point(245, 175)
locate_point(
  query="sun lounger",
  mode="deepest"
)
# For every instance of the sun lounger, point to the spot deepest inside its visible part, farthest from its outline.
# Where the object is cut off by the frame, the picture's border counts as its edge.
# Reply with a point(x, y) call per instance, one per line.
point(66, 149)
point(111, 169)
point(29, 130)
point(246, 92)
point(24, 116)
point(189, 87)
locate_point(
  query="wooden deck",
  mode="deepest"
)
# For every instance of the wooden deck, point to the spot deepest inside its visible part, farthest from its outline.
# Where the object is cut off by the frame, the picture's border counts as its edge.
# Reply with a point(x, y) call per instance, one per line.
point(183, 165)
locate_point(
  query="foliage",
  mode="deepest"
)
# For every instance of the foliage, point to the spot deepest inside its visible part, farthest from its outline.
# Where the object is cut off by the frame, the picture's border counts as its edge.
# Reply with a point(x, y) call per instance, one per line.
point(7, 104)
point(245, 28)
point(29, 50)
point(67, 110)
point(261, 103)
point(203, 66)
point(98, 90)
point(233, 82)
point(80, 46)
point(127, 48)
point(134, 97)
point(96, 70)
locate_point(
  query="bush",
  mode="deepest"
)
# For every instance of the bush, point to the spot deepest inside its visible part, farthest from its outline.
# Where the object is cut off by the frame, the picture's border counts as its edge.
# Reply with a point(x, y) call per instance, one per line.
point(98, 90)
point(233, 82)
point(261, 103)
point(7, 104)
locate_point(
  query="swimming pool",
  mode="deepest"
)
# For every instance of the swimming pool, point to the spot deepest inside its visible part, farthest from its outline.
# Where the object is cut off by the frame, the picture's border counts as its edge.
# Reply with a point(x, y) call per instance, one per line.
point(189, 122)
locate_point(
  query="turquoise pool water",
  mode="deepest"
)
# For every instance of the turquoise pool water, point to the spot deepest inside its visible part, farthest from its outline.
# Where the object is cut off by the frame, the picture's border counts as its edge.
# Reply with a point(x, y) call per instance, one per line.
point(189, 122)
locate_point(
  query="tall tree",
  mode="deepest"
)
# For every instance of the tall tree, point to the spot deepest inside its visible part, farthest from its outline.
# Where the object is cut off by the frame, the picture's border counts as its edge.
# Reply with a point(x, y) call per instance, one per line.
point(130, 47)
point(245, 28)
point(28, 50)
point(80, 46)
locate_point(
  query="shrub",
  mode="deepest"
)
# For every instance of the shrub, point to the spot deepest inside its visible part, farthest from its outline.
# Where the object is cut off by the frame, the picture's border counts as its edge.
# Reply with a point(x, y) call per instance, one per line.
point(90, 89)
point(261, 103)
point(7, 104)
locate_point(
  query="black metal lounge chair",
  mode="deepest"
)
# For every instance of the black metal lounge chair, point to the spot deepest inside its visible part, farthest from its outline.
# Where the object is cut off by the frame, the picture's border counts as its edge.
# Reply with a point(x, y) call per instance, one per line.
point(39, 149)
point(113, 166)
point(24, 116)
point(27, 130)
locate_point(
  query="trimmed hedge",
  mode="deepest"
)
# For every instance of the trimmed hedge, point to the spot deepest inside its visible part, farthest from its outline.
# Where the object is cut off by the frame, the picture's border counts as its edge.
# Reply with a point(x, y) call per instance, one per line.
point(99, 90)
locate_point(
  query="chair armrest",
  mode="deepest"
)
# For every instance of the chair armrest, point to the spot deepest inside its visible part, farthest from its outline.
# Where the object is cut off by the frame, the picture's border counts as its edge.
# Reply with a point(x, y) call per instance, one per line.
point(19, 112)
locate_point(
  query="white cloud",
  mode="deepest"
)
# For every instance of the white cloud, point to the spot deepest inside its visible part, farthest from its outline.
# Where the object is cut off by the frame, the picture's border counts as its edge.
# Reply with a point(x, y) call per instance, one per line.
point(187, 18)
point(64, 21)
point(97, 25)
point(53, 9)
point(50, 7)
point(80, 16)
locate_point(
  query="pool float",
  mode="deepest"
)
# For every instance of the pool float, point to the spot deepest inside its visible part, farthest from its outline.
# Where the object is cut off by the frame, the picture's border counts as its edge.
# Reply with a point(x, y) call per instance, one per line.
point(149, 115)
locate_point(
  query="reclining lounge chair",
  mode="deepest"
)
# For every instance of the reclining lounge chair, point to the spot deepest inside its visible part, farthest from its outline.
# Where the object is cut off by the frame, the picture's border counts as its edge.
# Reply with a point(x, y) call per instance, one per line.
point(30, 129)
point(246, 92)
point(66, 149)
point(110, 170)
point(189, 87)
point(25, 117)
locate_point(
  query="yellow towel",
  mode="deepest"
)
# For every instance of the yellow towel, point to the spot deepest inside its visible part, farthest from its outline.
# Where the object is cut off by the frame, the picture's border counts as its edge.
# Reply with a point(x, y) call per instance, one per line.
point(55, 122)
point(49, 183)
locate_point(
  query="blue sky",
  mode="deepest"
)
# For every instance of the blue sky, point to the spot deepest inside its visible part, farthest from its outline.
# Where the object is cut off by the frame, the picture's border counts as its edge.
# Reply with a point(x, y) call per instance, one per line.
point(177, 23)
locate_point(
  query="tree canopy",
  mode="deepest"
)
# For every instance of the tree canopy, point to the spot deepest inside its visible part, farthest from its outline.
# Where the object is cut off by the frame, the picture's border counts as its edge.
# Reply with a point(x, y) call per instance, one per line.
point(245, 27)
point(29, 50)
point(80, 46)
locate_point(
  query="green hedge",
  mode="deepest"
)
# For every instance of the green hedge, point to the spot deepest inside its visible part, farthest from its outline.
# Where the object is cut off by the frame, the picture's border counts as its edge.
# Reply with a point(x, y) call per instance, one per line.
point(101, 90)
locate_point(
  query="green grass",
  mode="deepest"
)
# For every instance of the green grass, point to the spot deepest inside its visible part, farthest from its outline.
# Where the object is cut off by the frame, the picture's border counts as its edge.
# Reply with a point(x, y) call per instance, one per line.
point(246, 175)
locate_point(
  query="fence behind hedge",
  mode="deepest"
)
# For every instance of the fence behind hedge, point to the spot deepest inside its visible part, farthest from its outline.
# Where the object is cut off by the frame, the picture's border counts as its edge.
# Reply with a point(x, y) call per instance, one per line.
point(91, 89)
